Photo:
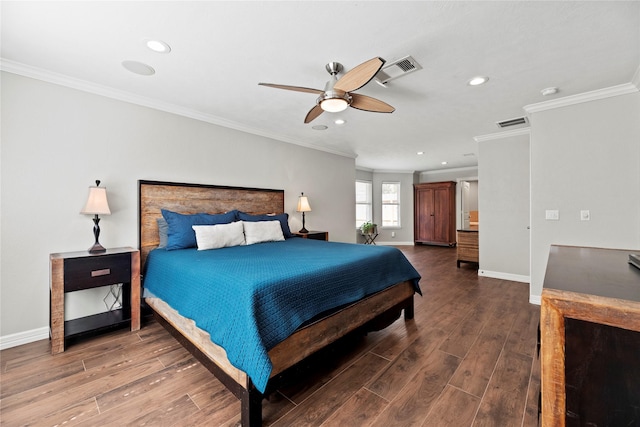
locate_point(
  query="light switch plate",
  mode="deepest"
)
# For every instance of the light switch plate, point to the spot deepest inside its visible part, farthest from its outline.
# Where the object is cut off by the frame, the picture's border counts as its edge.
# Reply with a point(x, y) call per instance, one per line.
point(553, 215)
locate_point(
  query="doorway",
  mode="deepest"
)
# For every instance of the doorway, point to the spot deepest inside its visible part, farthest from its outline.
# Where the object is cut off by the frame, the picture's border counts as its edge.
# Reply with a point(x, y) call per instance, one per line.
point(469, 217)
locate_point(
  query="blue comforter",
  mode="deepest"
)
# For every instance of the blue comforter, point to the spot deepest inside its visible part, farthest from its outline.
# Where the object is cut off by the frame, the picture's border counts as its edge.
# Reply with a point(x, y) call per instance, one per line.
point(249, 298)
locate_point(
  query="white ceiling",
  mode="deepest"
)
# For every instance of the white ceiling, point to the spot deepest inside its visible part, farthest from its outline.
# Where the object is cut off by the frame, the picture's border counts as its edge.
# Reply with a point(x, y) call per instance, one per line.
point(221, 50)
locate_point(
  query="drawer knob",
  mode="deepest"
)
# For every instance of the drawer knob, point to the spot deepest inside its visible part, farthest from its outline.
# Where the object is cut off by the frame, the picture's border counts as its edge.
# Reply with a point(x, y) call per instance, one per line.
point(103, 272)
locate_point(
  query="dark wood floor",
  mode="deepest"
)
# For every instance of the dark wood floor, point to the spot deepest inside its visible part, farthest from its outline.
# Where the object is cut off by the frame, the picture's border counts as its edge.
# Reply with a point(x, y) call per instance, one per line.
point(468, 358)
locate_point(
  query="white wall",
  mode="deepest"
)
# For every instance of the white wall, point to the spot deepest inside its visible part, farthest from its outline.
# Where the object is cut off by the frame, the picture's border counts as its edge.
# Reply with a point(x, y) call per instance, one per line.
point(585, 156)
point(56, 141)
point(503, 188)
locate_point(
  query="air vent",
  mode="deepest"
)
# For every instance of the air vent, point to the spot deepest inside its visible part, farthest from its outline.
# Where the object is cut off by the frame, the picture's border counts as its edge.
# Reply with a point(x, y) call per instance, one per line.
point(512, 122)
point(399, 68)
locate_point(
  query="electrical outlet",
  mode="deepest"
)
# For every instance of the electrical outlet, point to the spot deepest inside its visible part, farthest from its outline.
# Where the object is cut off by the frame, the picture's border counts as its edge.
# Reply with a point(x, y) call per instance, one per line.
point(585, 215)
point(553, 215)
point(393, 234)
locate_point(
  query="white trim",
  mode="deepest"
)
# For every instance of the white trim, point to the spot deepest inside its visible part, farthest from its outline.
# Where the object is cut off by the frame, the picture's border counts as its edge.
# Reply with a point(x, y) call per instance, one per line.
point(392, 243)
point(635, 80)
point(594, 95)
point(97, 89)
point(505, 276)
point(535, 299)
point(26, 337)
point(391, 171)
point(504, 134)
point(363, 169)
point(450, 170)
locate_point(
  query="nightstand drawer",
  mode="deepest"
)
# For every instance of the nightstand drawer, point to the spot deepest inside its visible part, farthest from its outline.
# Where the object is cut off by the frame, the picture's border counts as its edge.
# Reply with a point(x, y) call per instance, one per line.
point(313, 235)
point(92, 272)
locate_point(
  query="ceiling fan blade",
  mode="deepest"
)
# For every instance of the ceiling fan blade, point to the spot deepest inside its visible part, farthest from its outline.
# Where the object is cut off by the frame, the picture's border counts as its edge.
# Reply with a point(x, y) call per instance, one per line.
point(313, 113)
point(294, 88)
point(367, 103)
point(360, 76)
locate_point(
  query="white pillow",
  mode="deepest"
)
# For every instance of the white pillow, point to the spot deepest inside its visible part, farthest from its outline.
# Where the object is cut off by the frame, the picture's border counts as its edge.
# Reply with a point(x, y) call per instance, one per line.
point(219, 235)
point(262, 231)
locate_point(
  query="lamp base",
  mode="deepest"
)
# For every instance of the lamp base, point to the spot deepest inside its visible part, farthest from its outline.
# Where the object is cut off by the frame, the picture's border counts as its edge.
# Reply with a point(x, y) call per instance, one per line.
point(97, 248)
point(303, 230)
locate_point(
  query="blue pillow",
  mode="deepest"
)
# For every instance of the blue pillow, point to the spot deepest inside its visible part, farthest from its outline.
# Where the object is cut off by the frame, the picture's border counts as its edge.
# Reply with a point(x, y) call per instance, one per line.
point(283, 218)
point(181, 235)
point(163, 232)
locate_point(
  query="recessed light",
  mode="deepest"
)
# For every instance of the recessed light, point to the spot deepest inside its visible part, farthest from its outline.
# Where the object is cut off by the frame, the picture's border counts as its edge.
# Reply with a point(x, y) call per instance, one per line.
point(319, 127)
point(478, 80)
point(549, 91)
point(340, 121)
point(443, 163)
point(420, 153)
point(139, 68)
point(158, 46)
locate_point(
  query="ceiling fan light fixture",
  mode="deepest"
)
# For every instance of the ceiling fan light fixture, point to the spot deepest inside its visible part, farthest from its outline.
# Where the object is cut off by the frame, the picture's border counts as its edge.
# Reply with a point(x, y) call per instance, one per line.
point(334, 105)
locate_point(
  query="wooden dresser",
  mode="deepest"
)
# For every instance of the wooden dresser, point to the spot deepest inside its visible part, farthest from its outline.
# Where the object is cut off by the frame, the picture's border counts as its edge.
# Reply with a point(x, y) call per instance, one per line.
point(590, 338)
point(468, 246)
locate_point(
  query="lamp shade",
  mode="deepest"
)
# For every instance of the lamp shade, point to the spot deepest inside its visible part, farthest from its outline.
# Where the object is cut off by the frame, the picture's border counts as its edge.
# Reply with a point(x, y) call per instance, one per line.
point(303, 204)
point(97, 202)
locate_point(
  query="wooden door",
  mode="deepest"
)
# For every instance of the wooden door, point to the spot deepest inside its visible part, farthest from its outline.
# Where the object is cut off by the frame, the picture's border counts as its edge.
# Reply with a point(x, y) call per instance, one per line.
point(441, 232)
point(424, 214)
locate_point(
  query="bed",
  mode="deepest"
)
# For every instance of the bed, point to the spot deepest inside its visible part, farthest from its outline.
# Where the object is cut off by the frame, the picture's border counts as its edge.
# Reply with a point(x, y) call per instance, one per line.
point(286, 343)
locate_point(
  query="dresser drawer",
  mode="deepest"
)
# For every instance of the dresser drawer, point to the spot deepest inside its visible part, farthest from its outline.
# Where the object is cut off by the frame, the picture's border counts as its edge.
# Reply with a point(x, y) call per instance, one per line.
point(92, 272)
point(466, 244)
point(468, 254)
point(468, 239)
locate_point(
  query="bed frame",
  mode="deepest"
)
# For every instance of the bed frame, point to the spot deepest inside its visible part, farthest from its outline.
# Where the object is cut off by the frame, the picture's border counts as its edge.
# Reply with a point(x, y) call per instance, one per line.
point(371, 313)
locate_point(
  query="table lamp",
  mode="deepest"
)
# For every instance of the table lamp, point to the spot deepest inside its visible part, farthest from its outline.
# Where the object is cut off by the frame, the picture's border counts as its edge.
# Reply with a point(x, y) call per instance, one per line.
point(96, 205)
point(303, 206)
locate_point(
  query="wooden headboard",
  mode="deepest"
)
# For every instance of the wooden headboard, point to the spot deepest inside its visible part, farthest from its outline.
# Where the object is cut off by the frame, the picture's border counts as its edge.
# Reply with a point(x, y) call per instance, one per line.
point(194, 198)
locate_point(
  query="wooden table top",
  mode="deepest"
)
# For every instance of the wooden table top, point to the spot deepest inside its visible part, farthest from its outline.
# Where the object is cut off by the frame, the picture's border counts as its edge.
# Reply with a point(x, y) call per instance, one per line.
point(594, 271)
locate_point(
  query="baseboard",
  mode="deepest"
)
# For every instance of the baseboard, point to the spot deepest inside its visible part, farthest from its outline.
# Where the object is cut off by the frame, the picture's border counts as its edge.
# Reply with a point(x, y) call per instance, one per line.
point(505, 276)
point(26, 337)
point(394, 243)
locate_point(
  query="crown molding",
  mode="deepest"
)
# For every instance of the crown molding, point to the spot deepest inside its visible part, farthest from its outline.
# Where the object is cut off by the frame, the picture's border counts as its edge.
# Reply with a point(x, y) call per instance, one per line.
point(392, 171)
point(504, 134)
point(593, 95)
point(108, 92)
point(450, 170)
point(363, 169)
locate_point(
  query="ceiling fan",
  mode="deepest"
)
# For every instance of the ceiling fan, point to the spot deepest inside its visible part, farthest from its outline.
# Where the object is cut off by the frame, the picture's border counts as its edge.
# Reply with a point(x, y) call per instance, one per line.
point(338, 94)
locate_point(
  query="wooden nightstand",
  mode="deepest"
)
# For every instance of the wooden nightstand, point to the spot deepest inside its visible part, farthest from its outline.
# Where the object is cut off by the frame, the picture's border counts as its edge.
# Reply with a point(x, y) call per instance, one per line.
point(75, 271)
point(314, 235)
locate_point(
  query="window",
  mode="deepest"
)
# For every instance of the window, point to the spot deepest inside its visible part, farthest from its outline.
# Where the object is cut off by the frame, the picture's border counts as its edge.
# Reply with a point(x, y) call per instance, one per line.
point(363, 202)
point(391, 204)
